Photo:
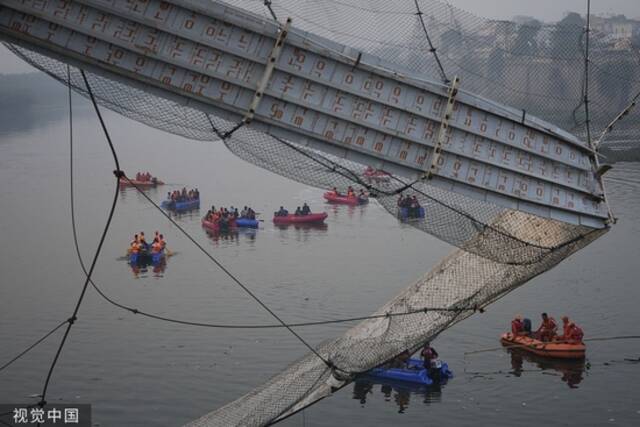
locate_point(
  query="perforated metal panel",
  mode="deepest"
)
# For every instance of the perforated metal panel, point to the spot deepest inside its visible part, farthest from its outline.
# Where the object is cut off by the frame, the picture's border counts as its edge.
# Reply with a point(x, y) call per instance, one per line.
point(320, 93)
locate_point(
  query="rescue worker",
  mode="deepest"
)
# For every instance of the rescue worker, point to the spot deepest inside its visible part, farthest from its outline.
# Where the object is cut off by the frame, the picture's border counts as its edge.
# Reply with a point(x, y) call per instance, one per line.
point(547, 329)
point(575, 333)
point(350, 192)
point(156, 247)
point(430, 356)
point(135, 247)
point(517, 327)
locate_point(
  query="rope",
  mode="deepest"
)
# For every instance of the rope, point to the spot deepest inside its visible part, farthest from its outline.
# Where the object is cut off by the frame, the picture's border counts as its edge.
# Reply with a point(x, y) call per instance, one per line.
point(117, 173)
point(134, 310)
point(32, 346)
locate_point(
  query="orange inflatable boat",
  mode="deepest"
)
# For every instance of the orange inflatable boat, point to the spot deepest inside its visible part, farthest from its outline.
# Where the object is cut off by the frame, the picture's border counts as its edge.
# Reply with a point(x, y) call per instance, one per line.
point(555, 349)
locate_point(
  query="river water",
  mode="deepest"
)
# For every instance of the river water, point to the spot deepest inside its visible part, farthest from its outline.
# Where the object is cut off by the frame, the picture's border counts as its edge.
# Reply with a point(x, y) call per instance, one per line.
point(137, 371)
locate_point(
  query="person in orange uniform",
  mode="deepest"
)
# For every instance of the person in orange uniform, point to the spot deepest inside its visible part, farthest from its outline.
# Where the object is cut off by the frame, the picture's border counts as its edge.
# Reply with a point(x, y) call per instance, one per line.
point(574, 333)
point(547, 329)
point(156, 246)
point(135, 247)
point(350, 192)
point(565, 328)
point(517, 327)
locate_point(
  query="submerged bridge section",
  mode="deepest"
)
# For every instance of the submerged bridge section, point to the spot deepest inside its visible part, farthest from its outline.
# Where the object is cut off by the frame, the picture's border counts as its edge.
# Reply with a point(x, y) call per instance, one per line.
point(257, 72)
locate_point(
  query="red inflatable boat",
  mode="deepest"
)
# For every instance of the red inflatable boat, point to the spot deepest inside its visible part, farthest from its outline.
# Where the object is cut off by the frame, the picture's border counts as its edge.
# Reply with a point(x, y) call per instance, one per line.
point(214, 227)
point(140, 184)
point(552, 349)
point(332, 197)
point(312, 218)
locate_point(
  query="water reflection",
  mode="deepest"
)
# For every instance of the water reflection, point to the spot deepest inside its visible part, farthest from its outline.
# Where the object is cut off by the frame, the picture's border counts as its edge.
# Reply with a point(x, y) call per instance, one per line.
point(571, 370)
point(193, 214)
point(152, 192)
point(311, 226)
point(300, 232)
point(227, 236)
point(352, 211)
point(398, 392)
point(142, 268)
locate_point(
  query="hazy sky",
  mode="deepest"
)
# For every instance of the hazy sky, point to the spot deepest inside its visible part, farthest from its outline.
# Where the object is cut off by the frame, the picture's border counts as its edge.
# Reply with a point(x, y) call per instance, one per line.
point(546, 10)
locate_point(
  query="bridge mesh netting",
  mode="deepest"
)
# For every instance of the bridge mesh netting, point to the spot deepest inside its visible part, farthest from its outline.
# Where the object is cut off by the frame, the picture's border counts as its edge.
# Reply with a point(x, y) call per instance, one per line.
point(533, 66)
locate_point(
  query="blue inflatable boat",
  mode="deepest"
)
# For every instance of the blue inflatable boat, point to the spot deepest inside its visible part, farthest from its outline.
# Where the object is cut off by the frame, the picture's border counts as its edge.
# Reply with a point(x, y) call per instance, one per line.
point(414, 373)
point(404, 213)
point(145, 258)
point(181, 206)
point(247, 223)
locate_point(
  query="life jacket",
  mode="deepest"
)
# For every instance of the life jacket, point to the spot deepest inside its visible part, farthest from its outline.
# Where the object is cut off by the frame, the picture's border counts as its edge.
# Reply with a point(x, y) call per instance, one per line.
point(135, 247)
point(549, 324)
point(566, 330)
point(516, 326)
point(429, 353)
point(576, 333)
point(156, 247)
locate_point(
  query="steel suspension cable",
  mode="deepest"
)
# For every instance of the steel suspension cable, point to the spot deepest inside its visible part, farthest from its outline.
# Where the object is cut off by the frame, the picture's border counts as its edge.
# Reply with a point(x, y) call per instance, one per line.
point(432, 49)
point(103, 236)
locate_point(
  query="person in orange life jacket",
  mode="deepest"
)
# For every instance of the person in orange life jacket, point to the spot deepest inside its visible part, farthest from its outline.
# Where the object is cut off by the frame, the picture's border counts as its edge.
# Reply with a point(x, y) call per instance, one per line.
point(517, 327)
point(575, 333)
point(350, 192)
point(565, 328)
point(135, 246)
point(156, 247)
point(547, 329)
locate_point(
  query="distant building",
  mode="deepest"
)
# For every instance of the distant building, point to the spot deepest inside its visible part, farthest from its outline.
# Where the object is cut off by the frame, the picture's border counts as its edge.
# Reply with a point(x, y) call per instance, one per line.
point(618, 29)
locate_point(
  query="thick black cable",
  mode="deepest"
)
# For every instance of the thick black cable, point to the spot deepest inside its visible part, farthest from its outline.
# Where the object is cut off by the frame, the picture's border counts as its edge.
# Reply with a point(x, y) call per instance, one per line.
point(215, 129)
point(134, 310)
point(432, 49)
point(586, 75)
point(73, 317)
point(273, 14)
point(32, 346)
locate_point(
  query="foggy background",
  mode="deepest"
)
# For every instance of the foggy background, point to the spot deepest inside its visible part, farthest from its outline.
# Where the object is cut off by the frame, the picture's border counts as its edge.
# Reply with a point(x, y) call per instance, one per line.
point(545, 10)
